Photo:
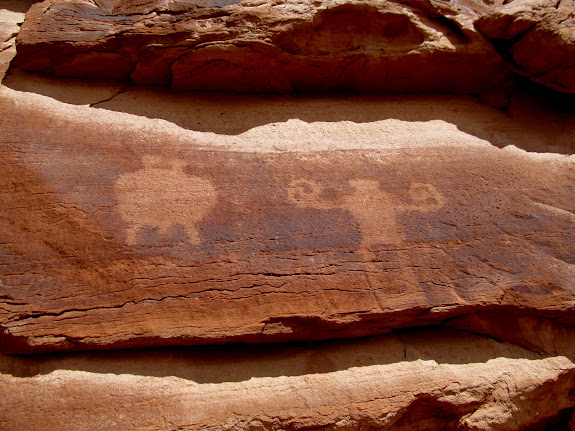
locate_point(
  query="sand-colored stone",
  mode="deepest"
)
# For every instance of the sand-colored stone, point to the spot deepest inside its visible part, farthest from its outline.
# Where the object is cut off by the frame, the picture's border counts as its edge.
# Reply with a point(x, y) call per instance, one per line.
point(263, 46)
point(430, 379)
point(466, 221)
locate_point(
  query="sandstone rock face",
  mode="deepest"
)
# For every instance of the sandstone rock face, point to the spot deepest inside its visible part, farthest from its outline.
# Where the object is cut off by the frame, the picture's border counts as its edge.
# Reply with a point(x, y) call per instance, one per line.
point(277, 228)
point(265, 46)
point(168, 240)
point(132, 217)
point(538, 38)
point(161, 243)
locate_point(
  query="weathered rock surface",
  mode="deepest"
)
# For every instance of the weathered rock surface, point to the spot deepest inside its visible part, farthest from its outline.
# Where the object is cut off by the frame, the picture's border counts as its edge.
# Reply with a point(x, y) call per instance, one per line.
point(266, 46)
point(261, 219)
point(538, 38)
point(269, 46)
point(168, 240)
point(431, 379)
point(132, 216)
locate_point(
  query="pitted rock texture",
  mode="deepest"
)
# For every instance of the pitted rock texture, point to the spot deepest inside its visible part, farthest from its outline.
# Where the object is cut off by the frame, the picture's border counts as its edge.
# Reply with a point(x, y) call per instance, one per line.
point(538, 39)
point(266, 46)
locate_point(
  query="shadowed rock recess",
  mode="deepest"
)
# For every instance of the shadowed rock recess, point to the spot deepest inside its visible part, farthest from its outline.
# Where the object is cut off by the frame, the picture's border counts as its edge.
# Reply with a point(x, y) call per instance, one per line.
point(347, 254)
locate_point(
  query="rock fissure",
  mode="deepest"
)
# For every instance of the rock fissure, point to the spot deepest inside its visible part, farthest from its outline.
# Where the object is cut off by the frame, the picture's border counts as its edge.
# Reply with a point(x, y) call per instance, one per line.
point(120, 91)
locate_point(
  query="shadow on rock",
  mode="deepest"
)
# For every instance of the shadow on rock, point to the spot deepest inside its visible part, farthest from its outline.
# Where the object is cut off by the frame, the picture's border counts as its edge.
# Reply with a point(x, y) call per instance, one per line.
point(217, 364)
point(537, 119)
point(19, 6)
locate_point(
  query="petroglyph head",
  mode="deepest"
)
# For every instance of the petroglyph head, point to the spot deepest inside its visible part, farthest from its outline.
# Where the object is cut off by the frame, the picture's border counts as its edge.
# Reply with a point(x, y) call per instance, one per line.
point(161, 196)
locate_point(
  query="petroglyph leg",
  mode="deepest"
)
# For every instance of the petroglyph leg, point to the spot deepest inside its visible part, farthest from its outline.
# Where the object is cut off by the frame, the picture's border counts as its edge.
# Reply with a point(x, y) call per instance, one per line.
point(375, 210)
point(193, 236)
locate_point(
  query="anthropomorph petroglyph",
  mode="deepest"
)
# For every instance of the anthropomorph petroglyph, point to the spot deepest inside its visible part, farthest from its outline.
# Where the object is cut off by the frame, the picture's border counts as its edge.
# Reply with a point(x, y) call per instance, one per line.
point(375, 209)
point(162, 196)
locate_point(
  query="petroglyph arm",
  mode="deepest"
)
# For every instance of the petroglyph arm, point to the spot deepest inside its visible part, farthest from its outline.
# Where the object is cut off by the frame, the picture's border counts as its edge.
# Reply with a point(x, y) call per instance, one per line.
point(308, 193)
point(426, 198)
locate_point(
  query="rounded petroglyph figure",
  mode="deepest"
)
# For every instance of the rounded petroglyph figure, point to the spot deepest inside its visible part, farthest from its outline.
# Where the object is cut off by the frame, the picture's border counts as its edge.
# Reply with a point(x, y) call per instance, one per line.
point(162, 196)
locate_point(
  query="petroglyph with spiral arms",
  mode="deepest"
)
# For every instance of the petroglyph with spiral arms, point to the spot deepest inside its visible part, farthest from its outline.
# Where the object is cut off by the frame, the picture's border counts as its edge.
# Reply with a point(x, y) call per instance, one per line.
point(375, 209)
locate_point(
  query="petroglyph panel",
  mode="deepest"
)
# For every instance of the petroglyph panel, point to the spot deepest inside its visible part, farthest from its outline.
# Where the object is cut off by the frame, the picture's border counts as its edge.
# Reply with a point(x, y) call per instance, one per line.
point(375, 209)
point(165, 244)
point(161, 197)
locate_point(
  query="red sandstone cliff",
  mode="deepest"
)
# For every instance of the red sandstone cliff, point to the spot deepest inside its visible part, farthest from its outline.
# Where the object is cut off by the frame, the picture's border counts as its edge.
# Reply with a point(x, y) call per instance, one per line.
point(440, 228)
